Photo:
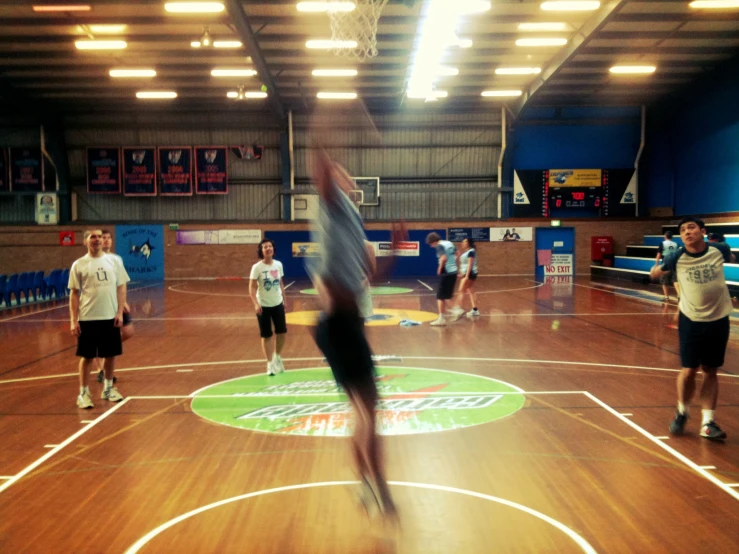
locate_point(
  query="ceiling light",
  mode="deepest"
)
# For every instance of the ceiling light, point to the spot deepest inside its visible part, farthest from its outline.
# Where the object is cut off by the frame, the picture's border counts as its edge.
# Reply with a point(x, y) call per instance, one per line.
point(541, 42)
point(156, 95)
point(334, 72)
point(518, 71)
point(206, 39)
point(246, 94)
point(633, 69)
point(107, 29)
point(465, 43)
point(337, 95)
point(227, 44)
point(714, 4)
point(233, 73)
point(429, 96)
point(500, 93)
point(100, 44)
point(195, 44)
point(542, 26)
point(570, 6)
point(133, 73)
point(194, 7)
point(316, 7)
point(328, 44)
point(447, 71)
point(71, 8)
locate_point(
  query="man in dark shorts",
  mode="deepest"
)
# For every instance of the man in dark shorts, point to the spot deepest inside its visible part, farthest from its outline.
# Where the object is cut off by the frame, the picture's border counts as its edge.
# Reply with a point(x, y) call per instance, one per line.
point(447, 271)
point(127, 331)
point(97, 283)
point(668, 279)
point(339, 278)
point(704, 325)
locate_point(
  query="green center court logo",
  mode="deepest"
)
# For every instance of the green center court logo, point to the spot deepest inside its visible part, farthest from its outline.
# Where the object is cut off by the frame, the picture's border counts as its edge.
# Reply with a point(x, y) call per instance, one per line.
point(308, 402)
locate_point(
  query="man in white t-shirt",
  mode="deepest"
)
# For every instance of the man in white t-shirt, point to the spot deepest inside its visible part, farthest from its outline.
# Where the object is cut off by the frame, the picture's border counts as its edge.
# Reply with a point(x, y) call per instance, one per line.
point(97, 283)
point(268, 297)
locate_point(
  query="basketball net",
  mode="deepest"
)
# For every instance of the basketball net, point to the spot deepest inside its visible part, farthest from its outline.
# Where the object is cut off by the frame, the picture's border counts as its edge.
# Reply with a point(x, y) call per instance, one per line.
point(358, 25)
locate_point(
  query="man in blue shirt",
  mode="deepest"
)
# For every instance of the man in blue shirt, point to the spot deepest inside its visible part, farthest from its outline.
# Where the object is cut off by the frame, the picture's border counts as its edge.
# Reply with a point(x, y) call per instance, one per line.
point(447, 272)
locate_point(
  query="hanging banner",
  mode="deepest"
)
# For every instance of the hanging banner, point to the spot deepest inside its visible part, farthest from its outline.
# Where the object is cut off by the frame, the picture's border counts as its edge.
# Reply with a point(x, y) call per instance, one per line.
point(4, 171)
point(175, 171)
point(575, 177)
point(103, 170)
point(211, 170)
point(511, 234)
point(26, 170)
point(47, 208)
point(139, 171)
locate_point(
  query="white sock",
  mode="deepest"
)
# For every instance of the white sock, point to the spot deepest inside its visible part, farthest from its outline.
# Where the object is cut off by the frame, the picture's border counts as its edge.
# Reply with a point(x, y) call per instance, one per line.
point(84, 390)
point(708, 416)
point(682, 408)
point(108, 384)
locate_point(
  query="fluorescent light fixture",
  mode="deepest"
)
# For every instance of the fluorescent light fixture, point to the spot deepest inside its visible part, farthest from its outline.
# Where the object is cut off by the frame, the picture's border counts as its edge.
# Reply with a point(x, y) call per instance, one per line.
point(570, 6)
point(329, 44)
point(233, 73)
point(100, 44)
point(714, 4)
point(465, 43)
point(317, 7)
point(194, 7)
point(633, 69)
point(247, 94)
point(445, 71)
point(337, 95)
point(542, 26)
point(133, 73)
point(518, 71)
point(334, 72)
point(59, 8)
point(429, 96)
point(500, 93)
point(156, 95)
point(195, 44)
point(541, 42)
point(105, 29)
point(228, 44)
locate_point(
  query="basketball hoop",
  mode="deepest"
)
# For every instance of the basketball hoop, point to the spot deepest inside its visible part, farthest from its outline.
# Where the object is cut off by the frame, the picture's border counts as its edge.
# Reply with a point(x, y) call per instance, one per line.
point(358, 25)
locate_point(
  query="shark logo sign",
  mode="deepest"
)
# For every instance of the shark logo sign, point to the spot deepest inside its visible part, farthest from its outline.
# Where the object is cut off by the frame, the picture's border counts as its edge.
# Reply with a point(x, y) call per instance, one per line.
point(142, 250)
point(308, 402)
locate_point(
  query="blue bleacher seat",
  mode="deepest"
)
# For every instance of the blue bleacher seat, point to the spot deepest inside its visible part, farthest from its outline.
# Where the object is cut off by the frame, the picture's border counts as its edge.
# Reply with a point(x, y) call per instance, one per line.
point(22, 286)
point(3, 281)
point(52, 283)
point(64, 281)
point(11, 288)
point(38, 286)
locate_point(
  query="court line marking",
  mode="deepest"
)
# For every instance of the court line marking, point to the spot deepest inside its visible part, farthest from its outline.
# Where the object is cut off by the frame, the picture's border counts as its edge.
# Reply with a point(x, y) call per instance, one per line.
point(339, 393)
point(580, 541)
point(60, 446)
point(6, 476)
point(290, 285)
point(424, 284)
point(708, 467)
point(51, 445)
point(659, 442)
point(313, 359)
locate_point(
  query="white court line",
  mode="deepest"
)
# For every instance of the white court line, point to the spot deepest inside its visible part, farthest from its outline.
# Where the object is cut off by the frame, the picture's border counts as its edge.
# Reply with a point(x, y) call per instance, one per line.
point(185, 370)
point(733, 485)
point(6, 476)
point(708, 467)
point(71, 439)
point(628, 415)
point(581, 542)
point(339, 393)
point(290, 285)
point(424, 284)
point(658, 441)
point(560, 314)
point(663, 438)
point(51, 445)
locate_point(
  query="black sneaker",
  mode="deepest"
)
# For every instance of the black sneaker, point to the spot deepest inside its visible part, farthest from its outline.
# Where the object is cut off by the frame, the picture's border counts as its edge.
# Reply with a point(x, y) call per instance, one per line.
point(678, 424)
point(712, 432)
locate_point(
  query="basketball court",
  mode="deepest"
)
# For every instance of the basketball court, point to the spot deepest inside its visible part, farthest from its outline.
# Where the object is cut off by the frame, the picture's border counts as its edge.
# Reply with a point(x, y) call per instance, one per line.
point(539, 427)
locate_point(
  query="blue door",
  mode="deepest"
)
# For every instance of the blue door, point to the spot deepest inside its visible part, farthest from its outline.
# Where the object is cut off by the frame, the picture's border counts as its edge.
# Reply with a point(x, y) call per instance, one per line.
point(561, 242)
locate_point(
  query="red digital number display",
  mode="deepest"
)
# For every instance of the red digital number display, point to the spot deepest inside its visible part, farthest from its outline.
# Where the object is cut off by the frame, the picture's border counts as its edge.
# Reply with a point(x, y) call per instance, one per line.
point(578, 196)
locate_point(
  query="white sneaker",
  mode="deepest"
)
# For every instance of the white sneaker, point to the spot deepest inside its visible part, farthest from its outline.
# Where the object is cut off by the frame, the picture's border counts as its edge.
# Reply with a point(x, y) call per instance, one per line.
point(473, 313)
point(270, 369)
point(84, 401)
point(278, 365)
point(438, 322)
point(456, 313)
point(112, 395)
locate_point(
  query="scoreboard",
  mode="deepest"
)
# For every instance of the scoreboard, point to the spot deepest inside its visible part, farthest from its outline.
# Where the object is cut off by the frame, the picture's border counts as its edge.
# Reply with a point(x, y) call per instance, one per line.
point(577, 199)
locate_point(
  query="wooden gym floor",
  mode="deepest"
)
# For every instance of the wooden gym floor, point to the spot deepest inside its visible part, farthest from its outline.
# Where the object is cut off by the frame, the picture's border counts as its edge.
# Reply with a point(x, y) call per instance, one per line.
point(552, 436)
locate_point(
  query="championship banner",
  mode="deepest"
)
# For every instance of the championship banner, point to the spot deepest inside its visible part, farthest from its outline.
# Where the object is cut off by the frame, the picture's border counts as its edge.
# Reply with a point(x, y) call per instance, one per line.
point(175, 171)
point(142, 250)
point(511, 234)
point(305, 250)
point(26, 170)
point(211, 170)
point(47, 208)
point(139, 171)
point(4, 181)
point(575, 177)
point(103, 170)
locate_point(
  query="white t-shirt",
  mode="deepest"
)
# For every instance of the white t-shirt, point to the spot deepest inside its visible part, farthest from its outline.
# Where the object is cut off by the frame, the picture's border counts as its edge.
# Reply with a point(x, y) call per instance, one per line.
point(268, 277)
point(98, 280)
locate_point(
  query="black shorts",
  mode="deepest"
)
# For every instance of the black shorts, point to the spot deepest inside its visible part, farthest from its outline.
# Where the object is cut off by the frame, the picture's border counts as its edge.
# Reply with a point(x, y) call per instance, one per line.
point(667, 278)
point(446, 286)
point(472, 277)
point(703, 343)
point(269, 315)
point(127, 319)
point(99, 339)
point(340, 336)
